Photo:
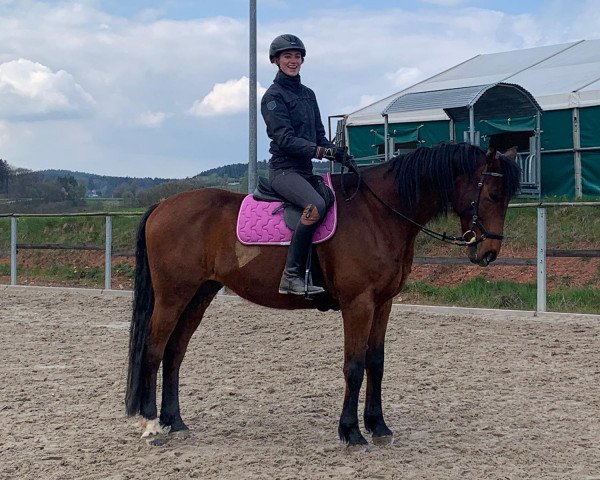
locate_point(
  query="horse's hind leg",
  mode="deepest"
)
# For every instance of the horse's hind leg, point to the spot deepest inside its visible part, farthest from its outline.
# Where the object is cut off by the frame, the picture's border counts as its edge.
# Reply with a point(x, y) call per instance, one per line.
point(175, 350)
point(167, 310)
point(374, 360)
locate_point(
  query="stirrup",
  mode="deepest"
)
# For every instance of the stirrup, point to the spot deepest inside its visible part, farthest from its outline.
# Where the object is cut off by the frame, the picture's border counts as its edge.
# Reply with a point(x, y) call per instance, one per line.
point(309, 287)
point(306, 290)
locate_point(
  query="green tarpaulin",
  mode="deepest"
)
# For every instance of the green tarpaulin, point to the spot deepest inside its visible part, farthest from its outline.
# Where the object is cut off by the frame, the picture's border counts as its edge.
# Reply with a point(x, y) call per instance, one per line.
point(400, 134)
point(492, 127)
point(557, 130)
point(558, 169)
point(590, 173)
point(589, 120)
point(365, 140)
point(558, 174)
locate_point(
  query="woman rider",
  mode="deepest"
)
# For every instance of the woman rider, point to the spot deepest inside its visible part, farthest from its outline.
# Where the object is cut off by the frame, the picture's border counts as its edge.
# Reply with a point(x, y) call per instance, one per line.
point(297, 136)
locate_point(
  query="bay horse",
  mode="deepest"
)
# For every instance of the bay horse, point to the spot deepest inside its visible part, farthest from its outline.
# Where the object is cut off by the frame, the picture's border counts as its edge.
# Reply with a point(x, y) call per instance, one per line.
point(187, 250)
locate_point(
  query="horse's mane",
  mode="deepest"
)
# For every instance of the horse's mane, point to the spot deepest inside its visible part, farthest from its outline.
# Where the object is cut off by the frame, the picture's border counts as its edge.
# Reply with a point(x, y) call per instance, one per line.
point(437, 169)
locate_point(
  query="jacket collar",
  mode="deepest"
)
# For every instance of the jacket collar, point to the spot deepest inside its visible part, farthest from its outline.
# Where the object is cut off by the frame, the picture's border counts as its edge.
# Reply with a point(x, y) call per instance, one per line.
point(291, 83)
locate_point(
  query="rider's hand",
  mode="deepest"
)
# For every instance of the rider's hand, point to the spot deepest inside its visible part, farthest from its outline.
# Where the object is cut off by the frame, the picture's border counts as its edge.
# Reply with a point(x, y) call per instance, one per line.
point(339, 155)
point(336, 154)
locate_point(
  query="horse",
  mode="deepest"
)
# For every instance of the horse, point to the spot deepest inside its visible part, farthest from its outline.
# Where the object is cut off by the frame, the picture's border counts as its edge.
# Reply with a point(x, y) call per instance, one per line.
point(187, 250)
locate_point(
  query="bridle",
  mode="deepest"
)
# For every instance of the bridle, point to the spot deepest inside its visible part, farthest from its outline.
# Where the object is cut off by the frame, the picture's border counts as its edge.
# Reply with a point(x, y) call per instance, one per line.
point(468, 239)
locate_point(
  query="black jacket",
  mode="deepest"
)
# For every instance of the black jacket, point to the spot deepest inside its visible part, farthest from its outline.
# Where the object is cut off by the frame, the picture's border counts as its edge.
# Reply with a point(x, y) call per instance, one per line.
point(294, 123)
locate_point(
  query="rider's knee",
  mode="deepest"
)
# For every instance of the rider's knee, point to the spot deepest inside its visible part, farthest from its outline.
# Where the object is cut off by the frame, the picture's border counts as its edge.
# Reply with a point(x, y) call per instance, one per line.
point(310, 215)
point(321, 207)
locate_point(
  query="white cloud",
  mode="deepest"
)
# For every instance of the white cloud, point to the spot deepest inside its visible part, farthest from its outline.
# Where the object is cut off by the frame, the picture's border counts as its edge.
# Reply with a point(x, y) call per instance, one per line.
point(31, 90)
point(150, 119)
point(141, 66)
point(405, 76)
point(226, 98)
point(4, 135)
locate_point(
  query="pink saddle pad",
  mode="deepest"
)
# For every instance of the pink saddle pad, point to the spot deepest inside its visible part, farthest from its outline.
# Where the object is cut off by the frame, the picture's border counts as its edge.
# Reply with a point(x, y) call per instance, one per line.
point(258, 225)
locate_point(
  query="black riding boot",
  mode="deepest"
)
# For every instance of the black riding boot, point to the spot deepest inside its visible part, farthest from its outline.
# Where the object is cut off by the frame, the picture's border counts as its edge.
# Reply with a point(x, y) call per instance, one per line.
point(292, 280)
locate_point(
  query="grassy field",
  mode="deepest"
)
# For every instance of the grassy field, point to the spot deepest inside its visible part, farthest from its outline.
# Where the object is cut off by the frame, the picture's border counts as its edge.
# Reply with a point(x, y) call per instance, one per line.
point(574, 284)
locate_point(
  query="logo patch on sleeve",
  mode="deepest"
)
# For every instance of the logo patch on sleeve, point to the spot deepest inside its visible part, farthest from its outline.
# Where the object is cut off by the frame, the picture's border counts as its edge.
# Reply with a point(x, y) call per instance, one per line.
point(271, 105)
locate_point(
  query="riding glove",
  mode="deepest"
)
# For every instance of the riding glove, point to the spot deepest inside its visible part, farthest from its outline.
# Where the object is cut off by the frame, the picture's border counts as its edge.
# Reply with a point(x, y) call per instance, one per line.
point(337, 154)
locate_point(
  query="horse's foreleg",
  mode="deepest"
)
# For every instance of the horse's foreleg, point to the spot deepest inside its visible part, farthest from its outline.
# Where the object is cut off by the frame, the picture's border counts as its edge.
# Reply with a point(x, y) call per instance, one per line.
point(358, 317)
point(373, 415)
point(170, 414)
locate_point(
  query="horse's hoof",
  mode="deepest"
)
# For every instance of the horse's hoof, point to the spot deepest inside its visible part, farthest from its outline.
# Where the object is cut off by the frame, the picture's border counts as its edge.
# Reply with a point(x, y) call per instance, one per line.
point(154, 428)
point(355, 442)
point(181, 434)
point(383, 440)
point(360, 448)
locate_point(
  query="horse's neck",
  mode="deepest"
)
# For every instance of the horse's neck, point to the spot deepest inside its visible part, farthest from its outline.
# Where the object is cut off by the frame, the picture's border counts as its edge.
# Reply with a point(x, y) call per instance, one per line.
point(382, 182)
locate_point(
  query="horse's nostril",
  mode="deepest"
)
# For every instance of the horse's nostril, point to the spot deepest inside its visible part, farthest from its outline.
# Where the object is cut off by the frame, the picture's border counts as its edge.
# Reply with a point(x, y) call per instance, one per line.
point(490, 257)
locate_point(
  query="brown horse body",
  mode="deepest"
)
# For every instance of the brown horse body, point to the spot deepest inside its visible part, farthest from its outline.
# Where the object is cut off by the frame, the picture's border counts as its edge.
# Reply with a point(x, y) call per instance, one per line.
point(187, 250)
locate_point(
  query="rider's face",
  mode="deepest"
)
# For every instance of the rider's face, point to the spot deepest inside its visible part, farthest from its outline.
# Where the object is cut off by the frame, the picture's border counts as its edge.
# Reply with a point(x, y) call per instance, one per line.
point(290, 62)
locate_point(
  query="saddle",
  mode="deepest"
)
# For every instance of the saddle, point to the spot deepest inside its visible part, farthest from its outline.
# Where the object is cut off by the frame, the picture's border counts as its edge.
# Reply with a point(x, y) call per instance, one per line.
point(267, 218)
point(291, 213)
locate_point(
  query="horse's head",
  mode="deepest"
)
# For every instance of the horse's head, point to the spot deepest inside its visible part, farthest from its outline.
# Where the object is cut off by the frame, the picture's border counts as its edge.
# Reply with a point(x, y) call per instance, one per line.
point(481, 201)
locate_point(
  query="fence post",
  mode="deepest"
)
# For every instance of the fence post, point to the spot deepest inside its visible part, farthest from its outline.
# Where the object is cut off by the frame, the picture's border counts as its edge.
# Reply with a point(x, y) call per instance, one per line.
point(108, 254)
point(541, 259)
point(13, 250)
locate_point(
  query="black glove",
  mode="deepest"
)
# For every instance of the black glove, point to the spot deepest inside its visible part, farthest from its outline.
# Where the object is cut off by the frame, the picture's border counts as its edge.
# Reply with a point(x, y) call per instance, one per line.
point(337, 154)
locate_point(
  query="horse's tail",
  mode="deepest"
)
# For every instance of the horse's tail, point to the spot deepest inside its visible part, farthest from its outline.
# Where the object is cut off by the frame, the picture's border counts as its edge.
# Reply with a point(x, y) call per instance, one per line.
point(143, 305)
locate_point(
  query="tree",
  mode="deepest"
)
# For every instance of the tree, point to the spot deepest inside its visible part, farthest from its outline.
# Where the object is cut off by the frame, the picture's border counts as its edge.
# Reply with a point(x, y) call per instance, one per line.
point(5, 173)
point(71, 190)
point(24, 184)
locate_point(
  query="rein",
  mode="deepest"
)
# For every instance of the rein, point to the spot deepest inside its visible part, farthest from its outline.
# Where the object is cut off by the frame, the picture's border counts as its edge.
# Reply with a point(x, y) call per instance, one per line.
point(468, 239)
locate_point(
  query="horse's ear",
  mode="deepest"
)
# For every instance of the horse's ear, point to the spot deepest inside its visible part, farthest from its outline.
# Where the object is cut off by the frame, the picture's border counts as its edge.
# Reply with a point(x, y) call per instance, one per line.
point(490, 155)
point(511, 153)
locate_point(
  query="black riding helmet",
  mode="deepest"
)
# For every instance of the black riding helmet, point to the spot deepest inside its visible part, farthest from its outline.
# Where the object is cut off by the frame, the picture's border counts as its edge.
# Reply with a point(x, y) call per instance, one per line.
point(285, 42)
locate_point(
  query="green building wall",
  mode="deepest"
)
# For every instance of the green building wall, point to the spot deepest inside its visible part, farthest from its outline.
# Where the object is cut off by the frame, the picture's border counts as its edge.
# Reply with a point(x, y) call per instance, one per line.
point(558, 153)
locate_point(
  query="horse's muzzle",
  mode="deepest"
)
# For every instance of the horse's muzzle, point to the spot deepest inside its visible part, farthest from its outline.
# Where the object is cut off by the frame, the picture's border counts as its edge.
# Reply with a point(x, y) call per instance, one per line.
point(483, 261)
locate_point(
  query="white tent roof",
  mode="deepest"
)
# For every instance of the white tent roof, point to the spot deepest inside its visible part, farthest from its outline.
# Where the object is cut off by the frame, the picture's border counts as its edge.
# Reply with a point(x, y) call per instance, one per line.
point(558, 76)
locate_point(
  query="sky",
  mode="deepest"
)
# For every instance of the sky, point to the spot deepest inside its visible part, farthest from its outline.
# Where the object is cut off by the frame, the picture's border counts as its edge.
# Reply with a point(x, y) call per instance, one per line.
point(159, 88)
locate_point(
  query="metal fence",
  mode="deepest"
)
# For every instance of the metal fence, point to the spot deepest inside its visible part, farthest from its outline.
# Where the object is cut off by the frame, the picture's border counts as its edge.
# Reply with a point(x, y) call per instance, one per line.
point(108, 250)
point(540, 261)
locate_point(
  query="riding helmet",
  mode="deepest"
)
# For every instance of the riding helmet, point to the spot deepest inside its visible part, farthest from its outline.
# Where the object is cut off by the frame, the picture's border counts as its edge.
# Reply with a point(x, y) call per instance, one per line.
point(285, 42)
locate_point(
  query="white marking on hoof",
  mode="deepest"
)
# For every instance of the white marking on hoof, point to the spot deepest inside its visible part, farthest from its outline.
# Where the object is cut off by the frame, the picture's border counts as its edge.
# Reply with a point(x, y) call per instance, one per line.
point(153, 427)
point(142, 422)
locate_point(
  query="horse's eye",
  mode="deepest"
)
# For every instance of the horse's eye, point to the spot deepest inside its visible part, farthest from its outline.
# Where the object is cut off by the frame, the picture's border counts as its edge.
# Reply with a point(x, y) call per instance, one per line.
point(495, 197)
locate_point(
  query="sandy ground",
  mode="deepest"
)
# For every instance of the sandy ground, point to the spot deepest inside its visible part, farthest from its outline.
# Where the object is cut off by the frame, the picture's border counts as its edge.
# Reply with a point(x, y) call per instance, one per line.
point(469, 394)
